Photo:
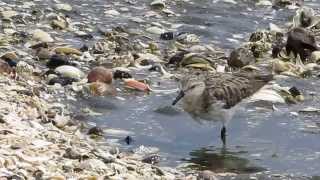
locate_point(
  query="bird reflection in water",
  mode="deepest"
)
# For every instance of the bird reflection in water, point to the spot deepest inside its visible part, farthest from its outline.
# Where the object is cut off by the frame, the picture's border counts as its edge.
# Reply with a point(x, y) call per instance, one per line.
point(222, 160)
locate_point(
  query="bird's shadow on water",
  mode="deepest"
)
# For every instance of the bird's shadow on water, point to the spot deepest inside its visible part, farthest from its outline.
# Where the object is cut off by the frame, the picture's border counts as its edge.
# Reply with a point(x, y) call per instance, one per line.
point(222, 159)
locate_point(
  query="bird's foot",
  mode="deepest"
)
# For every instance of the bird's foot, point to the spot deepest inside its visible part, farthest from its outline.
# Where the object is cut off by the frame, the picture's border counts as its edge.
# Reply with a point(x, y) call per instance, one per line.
point(223, 135)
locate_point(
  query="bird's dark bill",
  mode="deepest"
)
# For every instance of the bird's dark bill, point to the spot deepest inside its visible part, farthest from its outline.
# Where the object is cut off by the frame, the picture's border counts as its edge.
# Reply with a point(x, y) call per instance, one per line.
point(180, 95)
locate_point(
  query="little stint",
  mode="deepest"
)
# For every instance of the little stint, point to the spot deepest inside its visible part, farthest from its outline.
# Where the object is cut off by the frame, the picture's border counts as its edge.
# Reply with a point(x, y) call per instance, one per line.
point(216, 96)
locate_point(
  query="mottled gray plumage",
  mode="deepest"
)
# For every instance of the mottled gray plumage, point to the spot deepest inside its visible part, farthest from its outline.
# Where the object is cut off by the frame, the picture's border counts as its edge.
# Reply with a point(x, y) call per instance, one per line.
point(215, 96)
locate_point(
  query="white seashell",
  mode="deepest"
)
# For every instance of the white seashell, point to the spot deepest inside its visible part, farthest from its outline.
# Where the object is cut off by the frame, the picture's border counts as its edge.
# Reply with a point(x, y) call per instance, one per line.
point(158, 4)
point(268, 94)
point(155, 30)
point(42, 36)
point(64, 7)
point(70, 71)
point(24, 68)
point(112, 12)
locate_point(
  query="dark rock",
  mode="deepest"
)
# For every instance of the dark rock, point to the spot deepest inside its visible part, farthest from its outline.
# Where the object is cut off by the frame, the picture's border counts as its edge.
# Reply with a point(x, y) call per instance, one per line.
point(15, 177)
point(121, 75)
point(305, 19)
point(302, 42)
point(128, 140)
point(84, 36)
point(62, 80)
point(71, 154)
point(294, 91)
point(11, 62)
point(95, 131)
point(276, 49)
point(177, 58)
point(283, 3)
point(38, 174)
point(39, 45)
point(58, 60)
point(151, 159)
point(154, 68)
point(167, 36)
point(21, 34)
point(278, 44)
point(240, 57)
point(84, 48)
point(256, 36)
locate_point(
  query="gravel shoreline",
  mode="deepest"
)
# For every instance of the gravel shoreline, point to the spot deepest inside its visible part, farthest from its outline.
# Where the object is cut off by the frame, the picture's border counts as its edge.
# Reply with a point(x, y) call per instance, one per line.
point(40, 138)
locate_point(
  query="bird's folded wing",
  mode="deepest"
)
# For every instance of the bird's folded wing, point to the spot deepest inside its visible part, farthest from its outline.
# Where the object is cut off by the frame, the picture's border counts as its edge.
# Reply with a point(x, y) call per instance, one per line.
point(232, 88)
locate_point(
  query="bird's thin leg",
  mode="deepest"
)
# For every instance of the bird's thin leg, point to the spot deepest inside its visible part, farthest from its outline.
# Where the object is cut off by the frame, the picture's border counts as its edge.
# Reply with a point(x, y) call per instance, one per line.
point(223, 134)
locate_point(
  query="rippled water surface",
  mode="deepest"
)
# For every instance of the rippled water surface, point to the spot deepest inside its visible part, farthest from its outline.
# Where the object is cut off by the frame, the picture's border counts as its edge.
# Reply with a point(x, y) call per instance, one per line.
point(258, 138)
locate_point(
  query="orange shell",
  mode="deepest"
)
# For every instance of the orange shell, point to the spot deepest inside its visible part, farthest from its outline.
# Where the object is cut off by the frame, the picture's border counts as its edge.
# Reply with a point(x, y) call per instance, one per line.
point(134, 84)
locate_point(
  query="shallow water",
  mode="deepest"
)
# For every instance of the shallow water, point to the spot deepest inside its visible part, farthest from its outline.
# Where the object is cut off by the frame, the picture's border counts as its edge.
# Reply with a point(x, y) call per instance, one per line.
point(258, 138)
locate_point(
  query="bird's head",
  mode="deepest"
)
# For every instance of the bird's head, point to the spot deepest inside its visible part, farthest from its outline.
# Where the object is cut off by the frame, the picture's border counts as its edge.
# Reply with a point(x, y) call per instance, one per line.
point(191, 86)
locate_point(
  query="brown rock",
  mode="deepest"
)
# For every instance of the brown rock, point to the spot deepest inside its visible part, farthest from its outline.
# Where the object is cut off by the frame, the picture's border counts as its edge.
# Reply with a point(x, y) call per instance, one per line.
point(240, 57)
point(5, 67)
point(100, 74)
point(10, 55)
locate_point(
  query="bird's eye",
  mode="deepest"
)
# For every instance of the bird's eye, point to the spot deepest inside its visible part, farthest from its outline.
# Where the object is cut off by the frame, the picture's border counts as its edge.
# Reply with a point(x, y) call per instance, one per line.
point(192, 87)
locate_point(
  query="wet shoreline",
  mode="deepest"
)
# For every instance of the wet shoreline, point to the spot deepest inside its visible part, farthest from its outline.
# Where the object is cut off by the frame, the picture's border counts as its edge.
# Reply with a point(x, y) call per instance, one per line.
point(60, 147)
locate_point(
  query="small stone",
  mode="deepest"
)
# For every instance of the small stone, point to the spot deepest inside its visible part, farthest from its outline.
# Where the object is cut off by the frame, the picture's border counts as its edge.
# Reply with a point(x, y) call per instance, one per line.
point(118, 74)
point(61, 80)
point(56, 61)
